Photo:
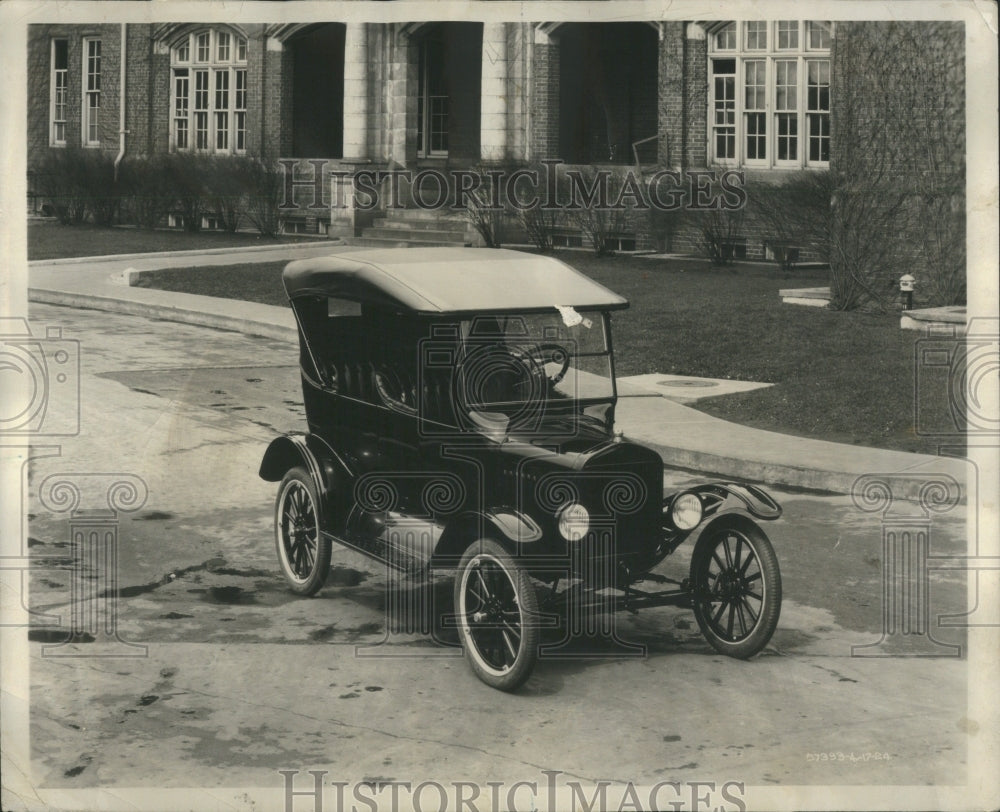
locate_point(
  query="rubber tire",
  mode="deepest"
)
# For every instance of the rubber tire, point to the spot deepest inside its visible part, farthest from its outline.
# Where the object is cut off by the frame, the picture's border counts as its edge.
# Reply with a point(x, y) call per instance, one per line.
point(299, 478)
point(514, 676)
point(770, 609)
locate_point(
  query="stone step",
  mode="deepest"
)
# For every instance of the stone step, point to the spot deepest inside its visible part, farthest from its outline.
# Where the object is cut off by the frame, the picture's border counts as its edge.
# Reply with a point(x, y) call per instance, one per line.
point(419, 215)
point(396, 233)
point(457, 226)
point(400, 242)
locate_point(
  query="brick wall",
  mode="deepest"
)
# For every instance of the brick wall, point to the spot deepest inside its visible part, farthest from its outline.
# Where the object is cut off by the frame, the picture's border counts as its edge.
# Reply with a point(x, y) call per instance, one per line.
point(269, 98)
point(545, 100)
point(39, 37)
point(696, 102)
point(39, 79)
point(670, 102)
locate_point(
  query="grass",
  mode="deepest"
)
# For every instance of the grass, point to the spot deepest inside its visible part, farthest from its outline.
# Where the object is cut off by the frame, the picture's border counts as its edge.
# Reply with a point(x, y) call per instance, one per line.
point(48, 239)
point(845, 377)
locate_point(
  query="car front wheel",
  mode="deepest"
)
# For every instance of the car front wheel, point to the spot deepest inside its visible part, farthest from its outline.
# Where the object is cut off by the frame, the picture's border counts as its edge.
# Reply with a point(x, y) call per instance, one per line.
point(497, 613)
point(303, 551)
point(737, 589)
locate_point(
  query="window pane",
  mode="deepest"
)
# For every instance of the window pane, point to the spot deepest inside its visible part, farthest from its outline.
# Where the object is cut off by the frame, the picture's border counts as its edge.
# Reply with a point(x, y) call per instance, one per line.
point(756, 124)
point(60, 54)
point(725, 38)
point(754, 77)
point(788, 34)
point(241, 90)
point(241, 49)
point(785, 85)
point(788, 136)
point(222, 47)
point(60, 87)
point(204, 50)
point(201, 109)
point(221, 90)
point(181, 85)
point(819, 137)
point(201, 130)
point(725, 99)
point(183, 53)
point(724, 108)
point(819, 85)
point(222, 130)
point(725, 143)
point(756, 38)
point(94, 65)
point(818, 35)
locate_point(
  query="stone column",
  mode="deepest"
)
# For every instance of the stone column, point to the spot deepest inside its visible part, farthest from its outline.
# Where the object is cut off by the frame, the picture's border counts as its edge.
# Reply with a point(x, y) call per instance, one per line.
point(356, 102)
point(344, 215)
point(493, 93)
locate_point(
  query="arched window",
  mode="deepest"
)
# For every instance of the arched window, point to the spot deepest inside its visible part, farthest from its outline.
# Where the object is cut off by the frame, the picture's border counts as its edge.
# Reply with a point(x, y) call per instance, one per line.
point(769, 93)
point(208, 92)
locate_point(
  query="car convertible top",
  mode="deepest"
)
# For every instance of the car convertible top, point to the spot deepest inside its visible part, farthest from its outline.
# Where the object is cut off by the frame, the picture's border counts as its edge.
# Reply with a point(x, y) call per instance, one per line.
point(449, 281)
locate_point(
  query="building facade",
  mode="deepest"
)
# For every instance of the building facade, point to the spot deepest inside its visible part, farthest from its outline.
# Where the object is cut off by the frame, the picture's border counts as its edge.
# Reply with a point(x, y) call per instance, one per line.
point(758, 96)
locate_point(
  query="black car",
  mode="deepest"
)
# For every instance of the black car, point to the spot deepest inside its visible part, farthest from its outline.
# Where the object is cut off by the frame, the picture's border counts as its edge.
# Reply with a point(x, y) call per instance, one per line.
point(461, 408)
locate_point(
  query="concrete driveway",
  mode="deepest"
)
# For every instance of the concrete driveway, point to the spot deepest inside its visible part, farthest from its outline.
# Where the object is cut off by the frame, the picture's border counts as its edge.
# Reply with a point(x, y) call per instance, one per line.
point(232, 679)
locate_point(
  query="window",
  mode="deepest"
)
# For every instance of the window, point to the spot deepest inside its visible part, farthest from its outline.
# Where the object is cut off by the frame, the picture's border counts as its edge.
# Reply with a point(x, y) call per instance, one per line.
point(725, 38)
point(91, 92)
point(432, 101)
point(724, 108)
point(59, 86)
point(818, 110)
point(769, 88)
point(788, 35)
point(209, 97)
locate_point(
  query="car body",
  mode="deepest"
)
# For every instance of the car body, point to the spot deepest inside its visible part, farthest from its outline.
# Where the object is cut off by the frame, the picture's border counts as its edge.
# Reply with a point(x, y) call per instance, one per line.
point(460, 406)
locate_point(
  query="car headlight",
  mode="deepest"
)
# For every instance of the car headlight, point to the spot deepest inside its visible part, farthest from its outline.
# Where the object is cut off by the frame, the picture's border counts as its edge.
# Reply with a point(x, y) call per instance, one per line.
point(685, 512)
point(574, 521)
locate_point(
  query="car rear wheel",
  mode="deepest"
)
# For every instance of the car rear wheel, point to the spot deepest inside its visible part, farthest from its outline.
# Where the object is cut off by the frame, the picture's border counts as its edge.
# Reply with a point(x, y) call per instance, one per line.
point(737, 589)
point(303, 551)
point(497, 612)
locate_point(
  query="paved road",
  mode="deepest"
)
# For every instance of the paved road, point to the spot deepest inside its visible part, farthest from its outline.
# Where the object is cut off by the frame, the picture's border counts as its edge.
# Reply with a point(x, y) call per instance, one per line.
point(241, 679)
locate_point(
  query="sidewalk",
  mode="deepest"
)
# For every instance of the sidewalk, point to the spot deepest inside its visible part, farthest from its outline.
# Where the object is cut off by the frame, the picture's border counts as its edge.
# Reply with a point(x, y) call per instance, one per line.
point(685, 437)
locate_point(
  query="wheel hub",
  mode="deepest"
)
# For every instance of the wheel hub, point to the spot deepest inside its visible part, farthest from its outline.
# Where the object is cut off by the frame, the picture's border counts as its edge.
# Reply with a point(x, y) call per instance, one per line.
point(731, 583)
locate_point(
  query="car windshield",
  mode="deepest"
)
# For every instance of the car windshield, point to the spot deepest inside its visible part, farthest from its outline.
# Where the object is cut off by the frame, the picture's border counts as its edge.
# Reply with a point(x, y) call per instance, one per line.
point(513, 360)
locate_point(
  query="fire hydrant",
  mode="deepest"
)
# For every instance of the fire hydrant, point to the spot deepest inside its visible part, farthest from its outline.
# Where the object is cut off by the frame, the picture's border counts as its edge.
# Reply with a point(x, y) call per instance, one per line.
point(906, 284)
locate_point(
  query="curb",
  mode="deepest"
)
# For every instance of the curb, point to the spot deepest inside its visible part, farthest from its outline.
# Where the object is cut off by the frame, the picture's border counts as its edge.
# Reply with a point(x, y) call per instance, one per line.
point(911, 488)
point(241, 249)
point(183, 315)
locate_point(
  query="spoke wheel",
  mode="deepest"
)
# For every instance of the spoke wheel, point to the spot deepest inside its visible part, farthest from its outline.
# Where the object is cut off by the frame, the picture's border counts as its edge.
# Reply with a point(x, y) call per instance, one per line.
point(303, 551)
point(497, 611)
point(737, 589)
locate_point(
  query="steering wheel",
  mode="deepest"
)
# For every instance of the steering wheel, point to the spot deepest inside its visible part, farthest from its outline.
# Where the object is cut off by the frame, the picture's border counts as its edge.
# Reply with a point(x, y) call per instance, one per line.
point(542, 354)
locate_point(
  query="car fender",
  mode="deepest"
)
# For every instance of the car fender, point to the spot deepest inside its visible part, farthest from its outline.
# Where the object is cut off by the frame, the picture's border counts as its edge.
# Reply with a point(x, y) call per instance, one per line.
point(329, 471)
point(736, 518)
point(727, 497)
point(508, 526)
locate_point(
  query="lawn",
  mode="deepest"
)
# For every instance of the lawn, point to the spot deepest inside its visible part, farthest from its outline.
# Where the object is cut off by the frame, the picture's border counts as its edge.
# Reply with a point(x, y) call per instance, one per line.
point(845, 377)
point(48, 239)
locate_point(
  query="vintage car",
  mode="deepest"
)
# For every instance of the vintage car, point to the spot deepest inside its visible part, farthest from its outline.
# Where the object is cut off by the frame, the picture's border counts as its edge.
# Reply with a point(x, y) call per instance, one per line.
point(461, 413)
